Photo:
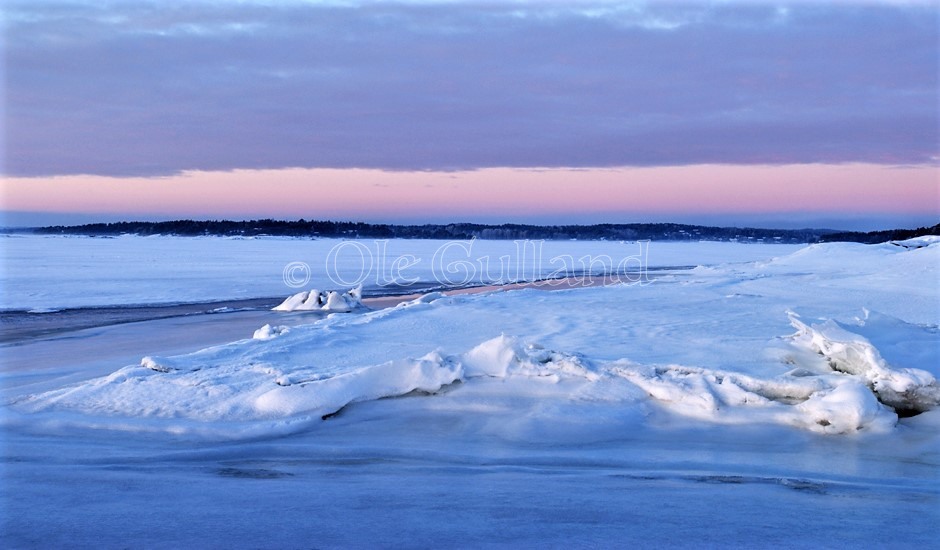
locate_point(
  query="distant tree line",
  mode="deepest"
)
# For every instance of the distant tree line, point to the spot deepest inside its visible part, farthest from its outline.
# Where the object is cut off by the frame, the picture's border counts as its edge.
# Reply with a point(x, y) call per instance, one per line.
point(873, 237)
point(620, 232)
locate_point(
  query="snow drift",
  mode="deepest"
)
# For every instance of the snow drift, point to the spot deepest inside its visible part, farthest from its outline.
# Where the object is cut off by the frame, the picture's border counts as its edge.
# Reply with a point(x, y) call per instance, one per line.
point(200, 389)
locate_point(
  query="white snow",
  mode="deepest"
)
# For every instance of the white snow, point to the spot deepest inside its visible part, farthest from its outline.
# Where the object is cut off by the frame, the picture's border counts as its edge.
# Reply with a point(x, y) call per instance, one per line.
point(907, 389)
point(49, 273)
point(825, 378)
point(757, 396)
point(324, 396)
point(329, 301)
point(268, 332)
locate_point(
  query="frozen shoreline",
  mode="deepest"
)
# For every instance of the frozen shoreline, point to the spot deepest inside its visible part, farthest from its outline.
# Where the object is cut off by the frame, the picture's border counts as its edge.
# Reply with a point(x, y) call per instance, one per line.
point(89, 342)
point(677, 413)
point(310, 357)
point(17, 327)
point(54, 273)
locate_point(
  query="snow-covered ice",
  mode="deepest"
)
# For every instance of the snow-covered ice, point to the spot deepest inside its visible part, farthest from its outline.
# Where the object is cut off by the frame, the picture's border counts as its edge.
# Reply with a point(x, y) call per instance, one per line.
point(329, 301)
point(49, 273)
point(907, 390)
point(790, 399)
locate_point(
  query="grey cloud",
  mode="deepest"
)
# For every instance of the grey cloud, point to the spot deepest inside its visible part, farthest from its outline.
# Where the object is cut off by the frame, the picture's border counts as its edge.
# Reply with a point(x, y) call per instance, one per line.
point(139, 89)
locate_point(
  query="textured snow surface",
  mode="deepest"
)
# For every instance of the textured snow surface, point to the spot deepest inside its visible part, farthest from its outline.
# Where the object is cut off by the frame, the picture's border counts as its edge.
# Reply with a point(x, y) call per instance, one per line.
point(716, 365)
point(784, 400)
point(329, 301)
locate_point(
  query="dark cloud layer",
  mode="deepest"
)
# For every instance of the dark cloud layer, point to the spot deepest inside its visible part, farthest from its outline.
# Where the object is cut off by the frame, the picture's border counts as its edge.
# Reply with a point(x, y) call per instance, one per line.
point(145, 89)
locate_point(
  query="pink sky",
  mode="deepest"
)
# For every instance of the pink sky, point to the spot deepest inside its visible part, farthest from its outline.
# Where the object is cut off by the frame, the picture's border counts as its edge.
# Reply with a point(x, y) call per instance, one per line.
point(494, 194)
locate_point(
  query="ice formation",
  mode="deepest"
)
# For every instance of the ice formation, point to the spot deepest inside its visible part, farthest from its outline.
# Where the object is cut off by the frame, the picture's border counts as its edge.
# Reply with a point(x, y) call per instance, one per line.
point(907, 390)
point(327, 301)
point(705, 347)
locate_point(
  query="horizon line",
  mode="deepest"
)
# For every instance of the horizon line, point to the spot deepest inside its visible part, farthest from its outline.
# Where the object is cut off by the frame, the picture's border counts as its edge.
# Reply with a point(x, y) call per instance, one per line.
point(458, 223)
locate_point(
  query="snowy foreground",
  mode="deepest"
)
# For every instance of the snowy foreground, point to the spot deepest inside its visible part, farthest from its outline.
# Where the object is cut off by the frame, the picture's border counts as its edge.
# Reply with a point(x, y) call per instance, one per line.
point(791, 401)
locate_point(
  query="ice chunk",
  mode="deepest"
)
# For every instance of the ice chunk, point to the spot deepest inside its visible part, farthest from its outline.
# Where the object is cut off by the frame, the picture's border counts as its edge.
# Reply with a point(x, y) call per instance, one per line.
point(824, 404)
point(907, 390)
point(159, 364)
point(848, 407)
point(267, 332)
point(337, 303)
point(492, 358)
point(328, 395)
point(326, 301)
point(428, 298)
point(505, 356)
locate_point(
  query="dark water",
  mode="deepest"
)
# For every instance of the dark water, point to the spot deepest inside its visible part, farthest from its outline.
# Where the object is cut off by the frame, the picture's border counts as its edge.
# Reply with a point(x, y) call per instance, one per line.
point(21, 326)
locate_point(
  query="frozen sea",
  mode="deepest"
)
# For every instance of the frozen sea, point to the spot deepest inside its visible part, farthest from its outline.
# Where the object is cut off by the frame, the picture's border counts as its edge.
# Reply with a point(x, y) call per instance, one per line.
point(708, 394)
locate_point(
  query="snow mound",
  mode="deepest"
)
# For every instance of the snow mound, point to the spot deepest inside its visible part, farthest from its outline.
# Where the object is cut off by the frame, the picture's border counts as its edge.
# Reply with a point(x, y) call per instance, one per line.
point(327, 301)
point(235, 400)
point(918, 242)
point(267, 332)
point(326, 396)
point(160, 364)
point(218, 388)
point(848, 406)
point(426, 298)
point(823, 404)
point(836, 257)
point(907, 390)
point(506, 356)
